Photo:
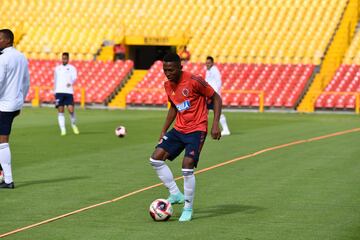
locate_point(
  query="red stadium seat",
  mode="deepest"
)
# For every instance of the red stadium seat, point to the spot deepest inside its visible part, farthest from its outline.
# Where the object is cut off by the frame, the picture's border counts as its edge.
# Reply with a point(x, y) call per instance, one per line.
point(346, 79)
point(99, 79)
point(287, 81)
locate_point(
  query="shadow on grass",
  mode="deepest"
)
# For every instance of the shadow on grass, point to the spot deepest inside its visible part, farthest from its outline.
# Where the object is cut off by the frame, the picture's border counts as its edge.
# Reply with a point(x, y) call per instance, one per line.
point(45, 181)
point(91, 132)
point(218, 210)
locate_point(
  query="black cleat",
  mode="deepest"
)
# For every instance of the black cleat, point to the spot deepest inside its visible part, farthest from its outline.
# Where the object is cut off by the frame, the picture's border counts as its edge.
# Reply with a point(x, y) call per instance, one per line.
point(7, 185)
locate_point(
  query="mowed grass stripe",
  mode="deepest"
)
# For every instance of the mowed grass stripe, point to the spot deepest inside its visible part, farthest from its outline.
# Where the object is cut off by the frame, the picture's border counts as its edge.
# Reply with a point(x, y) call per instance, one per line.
point(198, 172)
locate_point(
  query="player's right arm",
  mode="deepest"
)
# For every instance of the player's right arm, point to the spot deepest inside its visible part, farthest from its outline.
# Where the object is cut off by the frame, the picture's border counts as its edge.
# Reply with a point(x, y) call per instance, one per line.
point(169, 119)
point(55, 78)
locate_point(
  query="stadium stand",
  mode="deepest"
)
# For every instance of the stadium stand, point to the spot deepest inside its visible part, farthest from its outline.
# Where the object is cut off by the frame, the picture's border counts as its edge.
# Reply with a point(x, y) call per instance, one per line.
point(282, 84)
point(266, 45)
point(100, 80)
point(270, 46)
point(51, 27)
point(266, 31)
point(341, 92)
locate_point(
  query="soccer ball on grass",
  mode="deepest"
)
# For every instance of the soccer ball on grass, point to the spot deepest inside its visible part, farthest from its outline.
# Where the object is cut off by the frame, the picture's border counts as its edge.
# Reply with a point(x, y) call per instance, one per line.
point(161, 210)
point(120, 131)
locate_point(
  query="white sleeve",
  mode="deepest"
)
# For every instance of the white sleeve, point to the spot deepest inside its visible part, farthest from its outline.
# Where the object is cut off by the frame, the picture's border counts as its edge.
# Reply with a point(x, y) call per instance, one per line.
point(217, 78)
point(26, 81)
point(2, 76)
point(55, 78)
point(73, 75)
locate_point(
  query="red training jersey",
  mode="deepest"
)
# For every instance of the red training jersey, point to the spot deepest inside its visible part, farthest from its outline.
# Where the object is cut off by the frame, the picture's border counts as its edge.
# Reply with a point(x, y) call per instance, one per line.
point(189, 97)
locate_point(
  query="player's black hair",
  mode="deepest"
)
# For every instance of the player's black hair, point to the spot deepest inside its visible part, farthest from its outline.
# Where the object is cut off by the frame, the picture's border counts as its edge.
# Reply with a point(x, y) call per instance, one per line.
point(65, 54)
point(171, 57)
point(210, 58)
point(8, 35)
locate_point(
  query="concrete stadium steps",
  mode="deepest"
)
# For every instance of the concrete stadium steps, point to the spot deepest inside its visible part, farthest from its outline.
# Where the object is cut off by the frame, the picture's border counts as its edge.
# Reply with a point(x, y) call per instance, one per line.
point(119, 101)
point(333, 56)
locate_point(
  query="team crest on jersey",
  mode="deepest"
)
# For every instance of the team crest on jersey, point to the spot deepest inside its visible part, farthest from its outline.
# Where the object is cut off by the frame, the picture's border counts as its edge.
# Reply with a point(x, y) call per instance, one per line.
point(185, 92)
point(183, 106)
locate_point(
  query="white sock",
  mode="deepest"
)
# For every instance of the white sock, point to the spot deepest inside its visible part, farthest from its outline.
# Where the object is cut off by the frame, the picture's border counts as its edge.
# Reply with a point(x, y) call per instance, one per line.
point(189, 187)
point(224, 123)
point(61, 120)
point(73, 118)
point(165, 175)
point(5, 161)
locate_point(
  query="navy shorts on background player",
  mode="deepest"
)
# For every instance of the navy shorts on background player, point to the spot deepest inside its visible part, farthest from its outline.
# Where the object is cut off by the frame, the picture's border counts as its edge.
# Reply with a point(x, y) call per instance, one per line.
point(63, 99)
point(175, 142)
point(6, 120)
point(209, 104)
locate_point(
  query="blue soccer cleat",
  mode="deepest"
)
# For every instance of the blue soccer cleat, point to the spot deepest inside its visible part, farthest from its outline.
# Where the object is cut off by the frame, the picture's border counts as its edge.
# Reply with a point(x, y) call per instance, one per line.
point(176, 198)
point(186, 215)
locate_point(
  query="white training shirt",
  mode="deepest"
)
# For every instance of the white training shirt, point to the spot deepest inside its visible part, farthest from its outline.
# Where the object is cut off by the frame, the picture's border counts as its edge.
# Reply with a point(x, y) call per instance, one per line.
point(14, 79)
point(213, 77)
point(64, 75)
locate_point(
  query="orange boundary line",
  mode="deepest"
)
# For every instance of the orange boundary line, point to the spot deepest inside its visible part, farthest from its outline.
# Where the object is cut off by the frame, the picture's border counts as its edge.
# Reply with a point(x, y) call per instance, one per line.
point(197, 172)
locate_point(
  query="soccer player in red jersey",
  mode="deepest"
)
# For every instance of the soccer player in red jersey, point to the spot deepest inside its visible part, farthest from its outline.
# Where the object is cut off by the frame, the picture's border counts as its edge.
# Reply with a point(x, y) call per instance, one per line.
point(188, 96)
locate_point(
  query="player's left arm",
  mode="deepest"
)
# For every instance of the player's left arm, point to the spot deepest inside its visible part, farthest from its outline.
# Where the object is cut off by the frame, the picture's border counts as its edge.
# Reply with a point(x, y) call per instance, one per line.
point(217, 77)
point(206, 90)
point(2, 76)
point(215, 129)
point(26, 81)
point(73, 75)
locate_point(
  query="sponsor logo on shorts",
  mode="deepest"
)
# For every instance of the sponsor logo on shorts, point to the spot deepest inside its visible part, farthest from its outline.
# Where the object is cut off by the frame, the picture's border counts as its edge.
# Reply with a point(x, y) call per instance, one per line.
point(183, 106)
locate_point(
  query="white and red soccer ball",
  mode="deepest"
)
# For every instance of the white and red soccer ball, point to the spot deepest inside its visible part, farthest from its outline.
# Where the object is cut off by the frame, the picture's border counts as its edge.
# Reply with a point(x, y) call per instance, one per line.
point(161, 210)
point(120, 131)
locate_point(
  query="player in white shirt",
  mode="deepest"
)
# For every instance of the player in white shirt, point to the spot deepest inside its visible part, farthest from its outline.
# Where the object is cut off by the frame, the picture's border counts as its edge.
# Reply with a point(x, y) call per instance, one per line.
point(64, 77)
point(14, 86)
point(213, 77)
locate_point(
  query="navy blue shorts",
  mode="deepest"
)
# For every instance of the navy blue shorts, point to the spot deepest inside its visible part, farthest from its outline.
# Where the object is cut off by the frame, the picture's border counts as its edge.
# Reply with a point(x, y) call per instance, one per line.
point(63, 99)
point(175, 142)
point(210, 106)
point(6, 120)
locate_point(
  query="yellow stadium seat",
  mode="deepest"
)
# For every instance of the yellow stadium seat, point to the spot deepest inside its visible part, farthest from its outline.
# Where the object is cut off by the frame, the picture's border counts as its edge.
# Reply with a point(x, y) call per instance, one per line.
point(268, 30)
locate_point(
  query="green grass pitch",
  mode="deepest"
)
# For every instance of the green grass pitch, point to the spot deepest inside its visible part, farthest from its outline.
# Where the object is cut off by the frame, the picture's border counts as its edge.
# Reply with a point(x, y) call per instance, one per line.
point(307, 191)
